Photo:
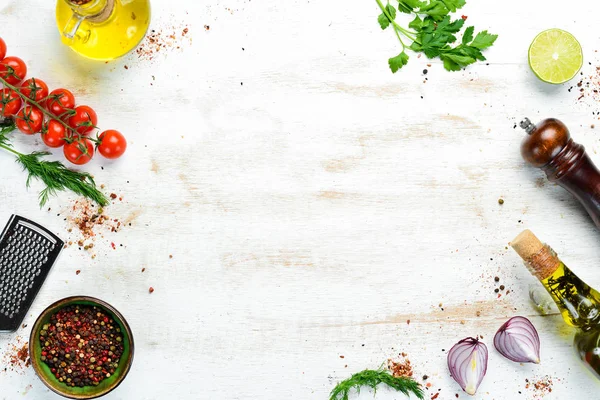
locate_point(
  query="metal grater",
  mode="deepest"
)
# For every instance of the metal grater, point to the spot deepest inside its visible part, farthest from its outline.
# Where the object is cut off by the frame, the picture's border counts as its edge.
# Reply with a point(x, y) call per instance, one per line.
point(27, 252)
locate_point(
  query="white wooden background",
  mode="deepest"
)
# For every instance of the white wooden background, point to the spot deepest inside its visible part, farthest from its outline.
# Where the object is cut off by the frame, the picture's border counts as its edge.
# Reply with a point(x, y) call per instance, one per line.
point(314, 209)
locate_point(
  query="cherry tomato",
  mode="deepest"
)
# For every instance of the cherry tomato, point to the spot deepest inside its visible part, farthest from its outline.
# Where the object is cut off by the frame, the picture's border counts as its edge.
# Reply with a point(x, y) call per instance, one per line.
point(2, 48)
point(54, 133)
point(13, 70)
point(83, 119)
point(29, 120)
point(112, 144)
point(80, 151)
point(10, 102)
point(35, 89)
point(60, 102)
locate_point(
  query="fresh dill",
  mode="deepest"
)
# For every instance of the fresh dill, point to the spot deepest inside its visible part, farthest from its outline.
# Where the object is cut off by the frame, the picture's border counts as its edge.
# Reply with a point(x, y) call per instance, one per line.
point(372, 378)
point(53, 174)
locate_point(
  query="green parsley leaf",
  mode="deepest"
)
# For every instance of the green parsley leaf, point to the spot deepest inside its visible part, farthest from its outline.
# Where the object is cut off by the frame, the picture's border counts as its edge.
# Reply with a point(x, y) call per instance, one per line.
point(398, 62)
point(434, 32)
point(450, 65)
point(383, 19)
point(458, 59)
point(468, 35)
point(453, 5)
point(416, 24)
point(435, 9)
point(483, 40)
point(408, 6)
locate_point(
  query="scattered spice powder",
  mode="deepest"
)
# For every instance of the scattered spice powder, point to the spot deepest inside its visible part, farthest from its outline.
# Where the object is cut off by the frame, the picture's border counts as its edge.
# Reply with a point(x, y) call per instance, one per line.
point(540, 386)
point(400, 368)
point(16, 358)
point(82, 345)
point(88, 222)
point(163, 39)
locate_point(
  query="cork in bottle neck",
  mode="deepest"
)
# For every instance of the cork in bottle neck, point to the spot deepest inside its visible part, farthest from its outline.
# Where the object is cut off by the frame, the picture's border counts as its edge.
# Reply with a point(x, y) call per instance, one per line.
point(539, 258)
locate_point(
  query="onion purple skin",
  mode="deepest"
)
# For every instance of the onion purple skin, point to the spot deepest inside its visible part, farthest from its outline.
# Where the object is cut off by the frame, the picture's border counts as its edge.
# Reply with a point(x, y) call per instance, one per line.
point(518, 340)
point(467, 362)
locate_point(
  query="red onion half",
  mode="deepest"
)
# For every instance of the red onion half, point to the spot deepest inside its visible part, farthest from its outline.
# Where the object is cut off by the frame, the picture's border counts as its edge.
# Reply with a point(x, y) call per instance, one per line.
point(467, 362)
point(518, 341)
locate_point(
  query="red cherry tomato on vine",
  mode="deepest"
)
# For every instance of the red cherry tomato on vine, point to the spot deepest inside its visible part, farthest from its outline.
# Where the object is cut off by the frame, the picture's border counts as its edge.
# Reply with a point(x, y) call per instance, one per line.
point(13, 70)
point(54, 133)
point(29, 120)
point(2, 48)
point(35, 89)
point(112, 144)
point(60, 102)
point(83, 120)
point(10, 102)
point(80, 151)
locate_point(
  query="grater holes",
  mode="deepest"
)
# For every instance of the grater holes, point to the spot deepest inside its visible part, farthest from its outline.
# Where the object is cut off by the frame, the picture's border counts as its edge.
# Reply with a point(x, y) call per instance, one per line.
point(26, 252)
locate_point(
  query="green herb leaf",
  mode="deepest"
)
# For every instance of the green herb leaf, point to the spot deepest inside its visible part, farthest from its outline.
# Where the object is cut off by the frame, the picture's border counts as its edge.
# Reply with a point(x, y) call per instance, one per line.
point(416, 24)
point(384, 20)
point(458, 61)
point(398, 62)
point(6, 126)
point(453, 5)
point(407, 6)
point(483, 40)
point(57, 177)
point(435, 9)
point(468, 35)
point(433, 32)
point(372, 379)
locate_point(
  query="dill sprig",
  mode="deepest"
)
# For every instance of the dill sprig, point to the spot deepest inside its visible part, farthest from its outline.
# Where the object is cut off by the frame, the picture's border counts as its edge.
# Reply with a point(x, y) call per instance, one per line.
point(372, 379)
point(53, 174)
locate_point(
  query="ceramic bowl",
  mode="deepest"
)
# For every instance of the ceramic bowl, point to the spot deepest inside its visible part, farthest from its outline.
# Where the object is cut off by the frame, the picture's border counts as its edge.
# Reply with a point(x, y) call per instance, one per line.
point(86, 392)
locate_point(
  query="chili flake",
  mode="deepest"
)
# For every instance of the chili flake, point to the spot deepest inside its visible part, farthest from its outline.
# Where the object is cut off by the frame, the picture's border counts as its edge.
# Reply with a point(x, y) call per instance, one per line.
point(82, 345)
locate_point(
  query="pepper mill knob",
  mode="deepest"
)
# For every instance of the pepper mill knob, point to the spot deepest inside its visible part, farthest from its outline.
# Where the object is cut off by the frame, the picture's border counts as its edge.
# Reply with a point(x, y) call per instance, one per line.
point(544, 141)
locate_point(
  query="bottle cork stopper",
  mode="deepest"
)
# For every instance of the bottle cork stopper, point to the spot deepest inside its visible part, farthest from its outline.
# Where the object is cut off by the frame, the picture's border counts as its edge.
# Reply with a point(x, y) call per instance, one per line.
point(539, 258)
point(526, 244)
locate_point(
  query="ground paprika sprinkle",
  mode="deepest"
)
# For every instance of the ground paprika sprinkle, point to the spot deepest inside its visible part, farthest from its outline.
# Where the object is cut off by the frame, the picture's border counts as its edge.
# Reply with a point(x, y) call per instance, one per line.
point(82, 345)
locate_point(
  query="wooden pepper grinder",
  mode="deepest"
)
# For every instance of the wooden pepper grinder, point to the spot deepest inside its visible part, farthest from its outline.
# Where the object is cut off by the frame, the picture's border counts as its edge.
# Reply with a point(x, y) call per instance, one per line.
point(549, 146)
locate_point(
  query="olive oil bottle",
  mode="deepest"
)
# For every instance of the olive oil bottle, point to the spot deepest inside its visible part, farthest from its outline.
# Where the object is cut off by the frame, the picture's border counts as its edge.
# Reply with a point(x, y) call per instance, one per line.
point(102, 29)
point(579, 304)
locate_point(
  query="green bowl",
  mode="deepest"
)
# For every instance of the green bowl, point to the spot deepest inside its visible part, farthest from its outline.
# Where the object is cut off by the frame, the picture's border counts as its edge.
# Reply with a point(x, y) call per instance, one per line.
point(86, 392)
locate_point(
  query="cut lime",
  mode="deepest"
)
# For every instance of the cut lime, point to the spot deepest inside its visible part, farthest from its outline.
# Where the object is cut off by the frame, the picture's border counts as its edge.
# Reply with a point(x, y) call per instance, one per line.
point(555, 56)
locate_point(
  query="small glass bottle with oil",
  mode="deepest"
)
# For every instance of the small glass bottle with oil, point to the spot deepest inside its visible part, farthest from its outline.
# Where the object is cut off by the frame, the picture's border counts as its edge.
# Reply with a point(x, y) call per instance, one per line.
point(578, 303)
point(102, 29)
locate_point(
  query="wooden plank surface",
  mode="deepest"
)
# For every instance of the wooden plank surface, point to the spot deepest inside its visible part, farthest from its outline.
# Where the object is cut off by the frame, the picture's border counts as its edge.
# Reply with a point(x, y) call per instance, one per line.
point(312, 202)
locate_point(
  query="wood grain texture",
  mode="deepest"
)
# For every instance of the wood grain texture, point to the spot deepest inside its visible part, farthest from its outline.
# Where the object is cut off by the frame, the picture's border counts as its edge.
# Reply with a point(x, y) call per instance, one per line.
point(316, 203)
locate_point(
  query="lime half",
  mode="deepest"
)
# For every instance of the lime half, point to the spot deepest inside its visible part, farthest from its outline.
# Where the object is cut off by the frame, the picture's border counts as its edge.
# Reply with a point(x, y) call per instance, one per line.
point(555, 56)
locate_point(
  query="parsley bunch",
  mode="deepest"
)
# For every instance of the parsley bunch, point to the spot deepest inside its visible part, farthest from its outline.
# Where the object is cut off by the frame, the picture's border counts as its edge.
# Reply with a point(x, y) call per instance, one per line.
point(433, 33)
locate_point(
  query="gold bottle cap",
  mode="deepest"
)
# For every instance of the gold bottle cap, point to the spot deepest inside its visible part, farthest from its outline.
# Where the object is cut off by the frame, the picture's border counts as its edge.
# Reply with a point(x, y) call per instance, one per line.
point(539, 258)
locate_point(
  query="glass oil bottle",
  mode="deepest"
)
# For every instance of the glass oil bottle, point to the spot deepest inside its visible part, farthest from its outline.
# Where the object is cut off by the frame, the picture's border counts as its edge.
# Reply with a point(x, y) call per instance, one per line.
point(102, 29)
point(579, 304)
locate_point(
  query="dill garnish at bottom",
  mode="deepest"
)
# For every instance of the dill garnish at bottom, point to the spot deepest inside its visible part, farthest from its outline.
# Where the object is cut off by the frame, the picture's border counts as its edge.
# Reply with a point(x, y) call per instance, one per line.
point(372, 379)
